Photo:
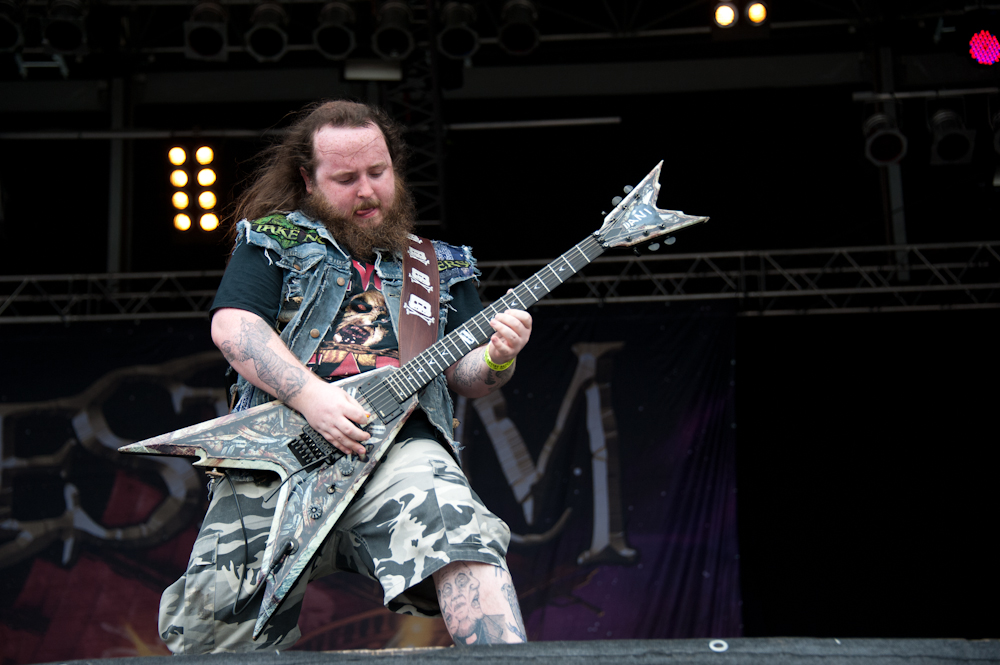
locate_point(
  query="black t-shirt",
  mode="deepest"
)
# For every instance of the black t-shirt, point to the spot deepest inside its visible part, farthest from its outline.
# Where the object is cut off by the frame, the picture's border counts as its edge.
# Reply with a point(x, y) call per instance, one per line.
point(361, 337)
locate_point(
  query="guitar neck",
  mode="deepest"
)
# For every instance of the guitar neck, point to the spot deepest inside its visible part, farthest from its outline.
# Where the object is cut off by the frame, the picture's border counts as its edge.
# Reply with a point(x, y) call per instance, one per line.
point(444, 353)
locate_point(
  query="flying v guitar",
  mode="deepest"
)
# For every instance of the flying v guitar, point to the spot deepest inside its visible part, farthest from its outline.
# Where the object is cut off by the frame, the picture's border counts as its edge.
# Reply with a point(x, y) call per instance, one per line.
point(321, 479)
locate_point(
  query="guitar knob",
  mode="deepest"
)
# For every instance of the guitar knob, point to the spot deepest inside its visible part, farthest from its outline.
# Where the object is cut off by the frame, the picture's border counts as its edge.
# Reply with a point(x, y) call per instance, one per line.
point(616, 200)
point(628, 188)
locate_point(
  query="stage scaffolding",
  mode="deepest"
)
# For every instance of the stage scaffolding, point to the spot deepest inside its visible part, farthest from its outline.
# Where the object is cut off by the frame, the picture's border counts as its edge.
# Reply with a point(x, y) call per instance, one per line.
point(893, 278)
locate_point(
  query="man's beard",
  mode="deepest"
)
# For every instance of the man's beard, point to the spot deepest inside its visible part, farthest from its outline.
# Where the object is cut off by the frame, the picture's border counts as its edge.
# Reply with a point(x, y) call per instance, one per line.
point(361, 241)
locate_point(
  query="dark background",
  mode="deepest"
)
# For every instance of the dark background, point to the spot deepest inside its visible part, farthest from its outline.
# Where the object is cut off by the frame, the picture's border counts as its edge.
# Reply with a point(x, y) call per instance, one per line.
point(867, 443)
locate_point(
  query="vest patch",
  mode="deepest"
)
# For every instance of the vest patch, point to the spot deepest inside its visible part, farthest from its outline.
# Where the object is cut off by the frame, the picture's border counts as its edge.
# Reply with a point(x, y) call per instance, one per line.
point(286, 234)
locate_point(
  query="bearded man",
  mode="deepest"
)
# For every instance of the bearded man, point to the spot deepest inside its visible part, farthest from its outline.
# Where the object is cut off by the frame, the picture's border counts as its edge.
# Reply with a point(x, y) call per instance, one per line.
point(315, 266)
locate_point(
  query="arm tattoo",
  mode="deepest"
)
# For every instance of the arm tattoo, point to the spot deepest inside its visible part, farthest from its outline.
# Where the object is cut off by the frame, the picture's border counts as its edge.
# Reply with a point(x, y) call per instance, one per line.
point(515, 609)
point(284, 378)
point(468, 373)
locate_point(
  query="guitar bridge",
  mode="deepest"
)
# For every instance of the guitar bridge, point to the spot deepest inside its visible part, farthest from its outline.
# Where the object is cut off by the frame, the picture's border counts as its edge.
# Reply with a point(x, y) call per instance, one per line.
point(311, 448)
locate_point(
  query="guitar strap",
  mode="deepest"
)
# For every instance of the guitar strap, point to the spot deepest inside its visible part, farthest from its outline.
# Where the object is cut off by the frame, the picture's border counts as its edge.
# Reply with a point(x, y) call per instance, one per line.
point(418, 316)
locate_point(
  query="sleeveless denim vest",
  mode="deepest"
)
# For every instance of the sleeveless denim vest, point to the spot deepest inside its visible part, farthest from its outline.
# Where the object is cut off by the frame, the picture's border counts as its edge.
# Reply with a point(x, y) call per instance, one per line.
point(316, 274)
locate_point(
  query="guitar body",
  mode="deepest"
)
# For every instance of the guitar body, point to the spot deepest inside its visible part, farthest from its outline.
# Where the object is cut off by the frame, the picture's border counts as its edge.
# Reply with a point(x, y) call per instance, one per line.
point(317, 490)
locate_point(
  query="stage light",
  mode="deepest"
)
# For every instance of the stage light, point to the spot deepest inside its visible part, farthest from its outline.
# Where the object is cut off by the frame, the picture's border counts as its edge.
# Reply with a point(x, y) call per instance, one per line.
point(266, 40)
point(984, 48)
point(182, 222)
point(392, 39)
point(206, 177)
point(209, 222)
point(205, 35)
point(725, 15)
point(951, 142)
point(518, 34)
point(64, 31)
point(884, 143)
point(11, 36)
point(179, 178)
point(207, 200)
point(334, 37)
point(180, 200)
point(177, 156)
point(756, 13)
point(457, 39)
point(204, 155)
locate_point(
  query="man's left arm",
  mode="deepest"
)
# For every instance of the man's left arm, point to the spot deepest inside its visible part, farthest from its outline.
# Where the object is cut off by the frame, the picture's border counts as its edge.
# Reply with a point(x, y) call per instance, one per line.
point(472, 377)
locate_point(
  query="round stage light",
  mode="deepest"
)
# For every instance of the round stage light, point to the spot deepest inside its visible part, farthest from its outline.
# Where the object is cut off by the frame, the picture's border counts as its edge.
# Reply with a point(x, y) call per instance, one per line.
point(984, 48)
point(757, 12)
point(179, 178)
point(180, 200)
point(177, 156)
point(207, 200)
point(204, 155)
point(209, 222)
point(206, 177)
point(182, 222)
point(725, 14)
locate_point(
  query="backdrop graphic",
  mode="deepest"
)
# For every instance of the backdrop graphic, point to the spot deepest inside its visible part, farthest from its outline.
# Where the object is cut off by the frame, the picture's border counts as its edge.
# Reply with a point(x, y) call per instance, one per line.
point(611, 456)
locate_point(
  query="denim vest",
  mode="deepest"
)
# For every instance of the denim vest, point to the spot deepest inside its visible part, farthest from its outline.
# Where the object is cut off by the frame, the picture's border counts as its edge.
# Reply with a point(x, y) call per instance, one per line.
point(316, 274)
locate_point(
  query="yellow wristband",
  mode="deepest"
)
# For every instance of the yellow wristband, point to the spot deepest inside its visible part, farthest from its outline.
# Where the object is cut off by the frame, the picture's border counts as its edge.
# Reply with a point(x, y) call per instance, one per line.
point(492, 365)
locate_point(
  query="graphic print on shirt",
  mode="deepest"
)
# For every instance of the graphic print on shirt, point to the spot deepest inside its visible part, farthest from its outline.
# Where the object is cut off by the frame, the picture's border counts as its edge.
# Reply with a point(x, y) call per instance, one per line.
point(361, 337)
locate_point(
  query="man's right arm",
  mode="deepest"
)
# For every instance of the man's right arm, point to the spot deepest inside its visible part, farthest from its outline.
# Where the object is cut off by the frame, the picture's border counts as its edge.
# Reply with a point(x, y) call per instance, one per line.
point(255, 351)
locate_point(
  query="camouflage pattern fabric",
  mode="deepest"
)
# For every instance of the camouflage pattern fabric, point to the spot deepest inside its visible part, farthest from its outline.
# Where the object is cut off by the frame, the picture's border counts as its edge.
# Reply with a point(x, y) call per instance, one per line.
point(415, 515)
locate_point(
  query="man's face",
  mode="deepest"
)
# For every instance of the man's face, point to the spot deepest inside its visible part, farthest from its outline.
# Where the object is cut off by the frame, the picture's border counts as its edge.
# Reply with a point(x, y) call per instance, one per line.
point(460, 603)
point(353, 173)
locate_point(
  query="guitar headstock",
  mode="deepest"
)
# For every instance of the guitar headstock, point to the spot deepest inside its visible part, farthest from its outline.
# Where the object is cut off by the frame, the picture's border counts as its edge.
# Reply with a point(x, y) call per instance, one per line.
point(636, 218)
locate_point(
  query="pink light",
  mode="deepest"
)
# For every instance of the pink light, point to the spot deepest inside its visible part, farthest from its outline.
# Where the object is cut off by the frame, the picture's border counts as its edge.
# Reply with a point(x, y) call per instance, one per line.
point(984, 48)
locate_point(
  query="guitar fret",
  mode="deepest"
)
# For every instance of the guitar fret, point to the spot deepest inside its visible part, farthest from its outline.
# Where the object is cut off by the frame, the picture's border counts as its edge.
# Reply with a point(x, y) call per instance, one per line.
point(444, 353)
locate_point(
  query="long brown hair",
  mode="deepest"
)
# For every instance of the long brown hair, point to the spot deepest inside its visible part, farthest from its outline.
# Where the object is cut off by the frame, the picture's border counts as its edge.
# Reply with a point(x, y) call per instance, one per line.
point(277, 183)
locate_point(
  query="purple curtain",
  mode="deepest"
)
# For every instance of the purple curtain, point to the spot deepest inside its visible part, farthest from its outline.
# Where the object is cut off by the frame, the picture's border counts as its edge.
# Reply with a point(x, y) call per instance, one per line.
point(611, 456)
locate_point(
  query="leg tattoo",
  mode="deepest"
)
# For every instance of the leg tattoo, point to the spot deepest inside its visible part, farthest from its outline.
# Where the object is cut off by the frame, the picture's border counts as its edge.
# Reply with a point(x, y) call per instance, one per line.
point(477, 607)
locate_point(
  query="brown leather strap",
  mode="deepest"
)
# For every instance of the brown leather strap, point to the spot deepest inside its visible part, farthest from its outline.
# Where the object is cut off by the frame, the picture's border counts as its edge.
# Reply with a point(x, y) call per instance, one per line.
point(421, 299)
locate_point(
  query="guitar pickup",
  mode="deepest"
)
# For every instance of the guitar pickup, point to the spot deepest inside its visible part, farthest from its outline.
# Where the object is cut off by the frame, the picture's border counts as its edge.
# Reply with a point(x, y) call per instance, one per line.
point(311, 447)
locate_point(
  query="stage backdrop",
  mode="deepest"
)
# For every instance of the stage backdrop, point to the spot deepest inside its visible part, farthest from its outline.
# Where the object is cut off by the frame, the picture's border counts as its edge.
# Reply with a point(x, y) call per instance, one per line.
point(610, 455)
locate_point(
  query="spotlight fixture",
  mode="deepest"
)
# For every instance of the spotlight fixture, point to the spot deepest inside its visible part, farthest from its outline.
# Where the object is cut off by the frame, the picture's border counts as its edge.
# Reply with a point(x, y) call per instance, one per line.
point(392, 39)
point(756, 13)
point(208, 221)
point(457, 39)
point(518, 34)
point(182, 182)
point(951, 142)
point(725, 14)
point(205, 34)
point(63, 30)
point(334, 37)
point(884, 143)
point(266, 40)
point(11, 36)
point(985, 48)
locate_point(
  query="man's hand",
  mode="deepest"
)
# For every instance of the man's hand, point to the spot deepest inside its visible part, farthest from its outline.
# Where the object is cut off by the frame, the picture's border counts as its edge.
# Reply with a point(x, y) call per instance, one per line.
point(334, 414)
point(513, 328)
point(471, 376)
point(258, 354)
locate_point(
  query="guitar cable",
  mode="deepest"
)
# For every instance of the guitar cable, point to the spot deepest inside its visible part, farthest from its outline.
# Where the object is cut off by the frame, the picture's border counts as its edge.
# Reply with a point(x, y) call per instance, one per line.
point(288, 549)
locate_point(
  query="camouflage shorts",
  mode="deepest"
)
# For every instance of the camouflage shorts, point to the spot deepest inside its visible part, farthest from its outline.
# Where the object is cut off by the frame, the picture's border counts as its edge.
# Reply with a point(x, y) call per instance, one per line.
point(415, 515)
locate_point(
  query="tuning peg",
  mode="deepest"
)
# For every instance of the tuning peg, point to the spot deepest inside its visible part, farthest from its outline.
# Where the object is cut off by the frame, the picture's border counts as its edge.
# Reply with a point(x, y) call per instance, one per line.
point(635, 250)
point(616, 200)
point(670, 240)
point(628, 188)
point(604, 213)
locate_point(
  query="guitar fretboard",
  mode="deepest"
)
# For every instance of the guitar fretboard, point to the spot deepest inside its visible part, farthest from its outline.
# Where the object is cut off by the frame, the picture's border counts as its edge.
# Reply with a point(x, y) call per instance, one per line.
point(444, 353)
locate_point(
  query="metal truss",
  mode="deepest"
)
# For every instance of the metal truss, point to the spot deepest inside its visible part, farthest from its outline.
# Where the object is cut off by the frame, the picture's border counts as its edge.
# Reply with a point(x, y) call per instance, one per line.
point(903, 278)
point(107, 297)
point(415, 102)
